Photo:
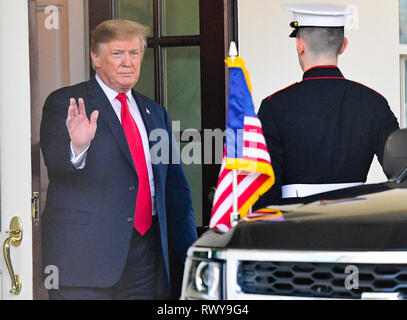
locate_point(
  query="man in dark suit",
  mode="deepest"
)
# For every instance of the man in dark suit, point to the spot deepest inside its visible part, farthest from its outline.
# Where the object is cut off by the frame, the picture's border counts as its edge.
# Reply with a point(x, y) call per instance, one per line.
point(323, 132)
point(113, 212)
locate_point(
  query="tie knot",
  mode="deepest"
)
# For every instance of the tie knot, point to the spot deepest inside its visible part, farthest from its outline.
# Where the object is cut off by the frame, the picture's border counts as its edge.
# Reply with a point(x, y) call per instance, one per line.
point(122, 97)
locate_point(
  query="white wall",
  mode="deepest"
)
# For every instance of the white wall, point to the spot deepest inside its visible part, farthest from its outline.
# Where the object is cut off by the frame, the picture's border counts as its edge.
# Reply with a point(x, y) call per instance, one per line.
point(372, 56)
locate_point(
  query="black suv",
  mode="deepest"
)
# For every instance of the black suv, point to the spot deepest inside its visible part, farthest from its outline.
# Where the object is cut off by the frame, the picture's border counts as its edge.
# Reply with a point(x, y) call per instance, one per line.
point(345, 244)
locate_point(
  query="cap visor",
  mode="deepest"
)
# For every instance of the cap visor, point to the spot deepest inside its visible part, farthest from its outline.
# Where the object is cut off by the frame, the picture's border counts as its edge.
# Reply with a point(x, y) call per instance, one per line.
point(293, 34)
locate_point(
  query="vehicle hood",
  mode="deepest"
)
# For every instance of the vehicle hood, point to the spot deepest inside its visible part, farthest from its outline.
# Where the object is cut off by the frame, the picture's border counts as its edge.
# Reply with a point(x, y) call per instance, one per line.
point(370, 218)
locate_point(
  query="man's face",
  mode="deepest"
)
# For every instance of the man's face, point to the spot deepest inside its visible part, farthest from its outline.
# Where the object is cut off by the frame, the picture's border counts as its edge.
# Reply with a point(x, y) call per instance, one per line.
point(118, 63)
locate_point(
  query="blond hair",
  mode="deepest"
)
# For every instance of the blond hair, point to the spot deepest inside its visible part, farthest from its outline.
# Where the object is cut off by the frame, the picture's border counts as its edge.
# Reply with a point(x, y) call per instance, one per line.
point(117, 29)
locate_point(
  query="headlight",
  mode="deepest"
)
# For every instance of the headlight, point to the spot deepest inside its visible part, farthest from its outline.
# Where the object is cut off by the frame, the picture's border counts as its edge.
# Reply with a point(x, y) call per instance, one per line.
point(202, 280)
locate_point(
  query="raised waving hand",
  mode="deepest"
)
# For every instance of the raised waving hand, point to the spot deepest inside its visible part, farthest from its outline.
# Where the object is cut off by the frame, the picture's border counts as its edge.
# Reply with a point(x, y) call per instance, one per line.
point(81, 129)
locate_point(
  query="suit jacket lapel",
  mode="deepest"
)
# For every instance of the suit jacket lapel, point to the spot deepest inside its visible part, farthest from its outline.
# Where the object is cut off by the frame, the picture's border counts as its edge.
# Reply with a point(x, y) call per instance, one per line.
point(99, 101)
point(145, 115)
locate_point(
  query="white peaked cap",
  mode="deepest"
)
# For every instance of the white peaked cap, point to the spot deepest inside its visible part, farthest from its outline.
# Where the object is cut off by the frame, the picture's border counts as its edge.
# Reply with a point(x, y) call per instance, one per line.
point(317, 15)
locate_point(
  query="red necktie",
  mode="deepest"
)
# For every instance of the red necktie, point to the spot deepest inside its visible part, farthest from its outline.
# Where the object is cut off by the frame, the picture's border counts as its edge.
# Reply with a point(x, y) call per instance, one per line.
point(143, 211)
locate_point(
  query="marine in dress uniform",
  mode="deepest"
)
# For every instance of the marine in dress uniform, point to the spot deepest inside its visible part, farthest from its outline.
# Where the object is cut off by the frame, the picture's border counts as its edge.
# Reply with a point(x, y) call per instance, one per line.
point(323, 132)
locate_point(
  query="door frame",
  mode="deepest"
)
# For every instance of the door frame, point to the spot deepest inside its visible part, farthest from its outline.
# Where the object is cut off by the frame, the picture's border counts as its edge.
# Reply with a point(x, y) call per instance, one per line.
point(39, 292)
point(218, 26)
point(15, 170)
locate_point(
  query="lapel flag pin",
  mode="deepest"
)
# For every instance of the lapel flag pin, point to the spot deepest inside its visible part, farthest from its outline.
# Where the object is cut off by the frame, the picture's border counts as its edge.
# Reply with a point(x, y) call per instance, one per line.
point(148, 111)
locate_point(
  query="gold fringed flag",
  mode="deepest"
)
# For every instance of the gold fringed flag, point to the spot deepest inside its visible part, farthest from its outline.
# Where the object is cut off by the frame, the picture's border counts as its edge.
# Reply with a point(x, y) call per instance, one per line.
point(245, 151)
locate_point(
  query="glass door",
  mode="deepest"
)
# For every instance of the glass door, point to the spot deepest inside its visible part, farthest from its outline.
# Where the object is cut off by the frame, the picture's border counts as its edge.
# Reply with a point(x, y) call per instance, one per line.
point(184, 71)
point(170, 71)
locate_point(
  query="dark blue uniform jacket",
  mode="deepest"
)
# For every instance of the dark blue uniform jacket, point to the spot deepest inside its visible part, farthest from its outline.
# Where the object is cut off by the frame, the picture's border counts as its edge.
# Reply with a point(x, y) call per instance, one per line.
point(324, 129)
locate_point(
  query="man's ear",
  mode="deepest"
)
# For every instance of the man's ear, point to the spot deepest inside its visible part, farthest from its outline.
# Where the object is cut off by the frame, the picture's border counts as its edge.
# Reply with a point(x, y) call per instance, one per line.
point(300, 42)
point(95, 60)
point(344, 45)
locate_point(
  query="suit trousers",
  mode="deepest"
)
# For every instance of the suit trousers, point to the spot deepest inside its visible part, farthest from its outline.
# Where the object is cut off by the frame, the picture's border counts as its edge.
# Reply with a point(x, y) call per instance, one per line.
point(143, 278)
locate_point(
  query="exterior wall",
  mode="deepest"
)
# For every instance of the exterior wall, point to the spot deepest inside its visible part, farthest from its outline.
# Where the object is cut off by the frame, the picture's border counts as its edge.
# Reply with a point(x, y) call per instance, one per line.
point(372, 56)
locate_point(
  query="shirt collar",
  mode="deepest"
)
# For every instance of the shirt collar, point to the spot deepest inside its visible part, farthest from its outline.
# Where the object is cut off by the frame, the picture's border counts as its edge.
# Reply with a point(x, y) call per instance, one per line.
point(323, 72)
point(109, 92)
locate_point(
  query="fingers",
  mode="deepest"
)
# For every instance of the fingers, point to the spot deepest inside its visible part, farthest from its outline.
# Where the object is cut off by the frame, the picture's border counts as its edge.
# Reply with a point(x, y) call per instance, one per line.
point(72, 110)
point(81, 108)
point(71, 113)
point(75, 111)
point(73, 106)
point(94, 117)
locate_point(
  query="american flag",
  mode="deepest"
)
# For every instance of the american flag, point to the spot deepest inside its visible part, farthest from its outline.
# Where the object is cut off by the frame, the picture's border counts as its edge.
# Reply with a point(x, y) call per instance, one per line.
point(245, 151)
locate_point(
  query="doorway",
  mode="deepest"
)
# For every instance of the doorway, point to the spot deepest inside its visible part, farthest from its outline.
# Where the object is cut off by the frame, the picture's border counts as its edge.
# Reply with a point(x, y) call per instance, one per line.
point(196, 96)
point(184, 71)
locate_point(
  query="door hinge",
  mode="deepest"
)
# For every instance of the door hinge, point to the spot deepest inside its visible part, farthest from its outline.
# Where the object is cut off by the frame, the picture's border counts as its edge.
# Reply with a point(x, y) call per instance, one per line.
point(35, 207)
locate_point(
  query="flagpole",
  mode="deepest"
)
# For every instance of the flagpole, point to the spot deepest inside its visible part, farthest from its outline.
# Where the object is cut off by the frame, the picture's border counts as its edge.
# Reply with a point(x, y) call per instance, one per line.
point(234, 216)
point(235, 213)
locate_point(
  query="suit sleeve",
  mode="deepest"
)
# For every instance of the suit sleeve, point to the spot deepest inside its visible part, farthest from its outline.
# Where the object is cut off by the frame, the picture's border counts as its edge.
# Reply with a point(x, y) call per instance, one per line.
point(275, 147)
point(54, 136)
point(180, 217)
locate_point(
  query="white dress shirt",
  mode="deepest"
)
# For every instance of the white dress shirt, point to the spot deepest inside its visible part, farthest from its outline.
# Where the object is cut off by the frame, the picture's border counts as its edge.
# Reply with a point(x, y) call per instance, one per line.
point(79, 161)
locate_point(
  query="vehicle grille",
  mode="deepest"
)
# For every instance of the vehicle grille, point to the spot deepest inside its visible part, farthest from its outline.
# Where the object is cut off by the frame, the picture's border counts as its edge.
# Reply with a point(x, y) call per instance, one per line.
point(325, 280)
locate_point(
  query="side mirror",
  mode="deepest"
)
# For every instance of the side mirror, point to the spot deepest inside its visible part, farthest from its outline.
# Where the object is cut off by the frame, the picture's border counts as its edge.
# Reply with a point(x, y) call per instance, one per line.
point(395, 153)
